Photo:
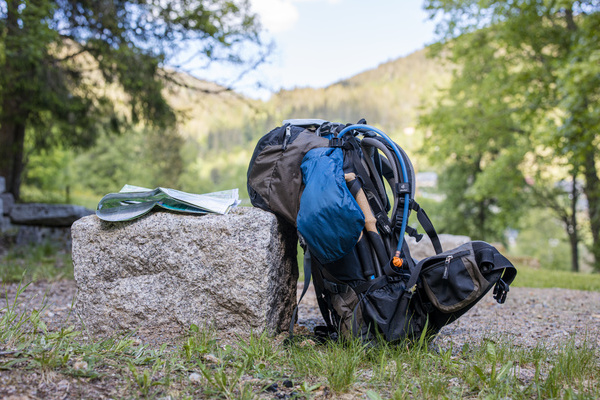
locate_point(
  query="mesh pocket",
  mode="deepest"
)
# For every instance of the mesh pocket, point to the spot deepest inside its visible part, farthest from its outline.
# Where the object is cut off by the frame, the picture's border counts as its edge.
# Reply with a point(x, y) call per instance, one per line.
point(393, 312)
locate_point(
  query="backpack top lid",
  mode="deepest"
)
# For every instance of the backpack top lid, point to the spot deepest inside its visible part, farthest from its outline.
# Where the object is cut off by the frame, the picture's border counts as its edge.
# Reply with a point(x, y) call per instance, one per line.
point(308, 122)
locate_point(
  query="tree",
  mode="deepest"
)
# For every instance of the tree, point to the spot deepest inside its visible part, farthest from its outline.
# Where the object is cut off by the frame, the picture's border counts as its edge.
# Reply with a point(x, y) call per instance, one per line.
point(54, 53)
point(531, 68)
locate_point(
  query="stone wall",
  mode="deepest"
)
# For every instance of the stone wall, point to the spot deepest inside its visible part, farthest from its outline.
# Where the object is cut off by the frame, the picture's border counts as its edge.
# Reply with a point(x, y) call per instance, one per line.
point(23, 224)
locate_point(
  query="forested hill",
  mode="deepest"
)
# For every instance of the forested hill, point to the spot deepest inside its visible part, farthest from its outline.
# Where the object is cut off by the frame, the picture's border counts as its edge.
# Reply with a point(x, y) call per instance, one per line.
point(212, 146)
point(389, 96)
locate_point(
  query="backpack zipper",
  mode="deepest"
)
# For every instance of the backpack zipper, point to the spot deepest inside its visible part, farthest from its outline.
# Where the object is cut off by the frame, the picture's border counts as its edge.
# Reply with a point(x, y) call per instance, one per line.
point(288, 134)
point(446, 263)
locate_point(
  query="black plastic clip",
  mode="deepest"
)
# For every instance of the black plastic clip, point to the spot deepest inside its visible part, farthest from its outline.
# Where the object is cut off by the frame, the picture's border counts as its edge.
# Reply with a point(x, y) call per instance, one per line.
point(335, 287)
point(383, 223)
point(500, 291)
point(336, 142)
point(413, 232)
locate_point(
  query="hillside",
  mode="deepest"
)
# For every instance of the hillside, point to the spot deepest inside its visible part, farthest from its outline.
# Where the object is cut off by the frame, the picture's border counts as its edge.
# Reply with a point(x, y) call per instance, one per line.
point(389, 96)
point(218, 129)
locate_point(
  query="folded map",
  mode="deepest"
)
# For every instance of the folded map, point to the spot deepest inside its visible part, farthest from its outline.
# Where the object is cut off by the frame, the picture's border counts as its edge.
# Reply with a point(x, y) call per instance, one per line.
point(134, 201)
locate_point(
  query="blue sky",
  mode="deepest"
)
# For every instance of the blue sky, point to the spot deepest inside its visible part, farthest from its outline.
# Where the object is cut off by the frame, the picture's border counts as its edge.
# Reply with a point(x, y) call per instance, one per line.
point(319, 42)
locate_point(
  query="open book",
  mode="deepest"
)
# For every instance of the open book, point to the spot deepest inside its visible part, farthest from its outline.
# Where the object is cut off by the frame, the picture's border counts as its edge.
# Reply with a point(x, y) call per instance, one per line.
point(134, 201)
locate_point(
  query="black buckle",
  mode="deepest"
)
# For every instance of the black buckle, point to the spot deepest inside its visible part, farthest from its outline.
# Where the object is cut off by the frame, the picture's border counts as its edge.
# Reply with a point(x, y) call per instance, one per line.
point(336, 288)
point(383, 223)
point(414, 233)
point(336, 142)
point(500, 291)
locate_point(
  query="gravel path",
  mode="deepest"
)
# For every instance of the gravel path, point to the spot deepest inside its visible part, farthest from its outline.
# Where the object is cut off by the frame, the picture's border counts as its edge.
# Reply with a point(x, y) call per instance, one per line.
point(529, 316)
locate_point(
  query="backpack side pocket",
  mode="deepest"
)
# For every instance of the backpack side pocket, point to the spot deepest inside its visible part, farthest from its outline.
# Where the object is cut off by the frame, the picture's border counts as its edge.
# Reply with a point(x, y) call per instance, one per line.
point(452, 280)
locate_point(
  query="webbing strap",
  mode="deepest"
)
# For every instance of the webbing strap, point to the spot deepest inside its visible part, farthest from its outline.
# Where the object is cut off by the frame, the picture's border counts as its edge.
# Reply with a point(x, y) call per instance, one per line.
point(428, 227)
point(307, 275)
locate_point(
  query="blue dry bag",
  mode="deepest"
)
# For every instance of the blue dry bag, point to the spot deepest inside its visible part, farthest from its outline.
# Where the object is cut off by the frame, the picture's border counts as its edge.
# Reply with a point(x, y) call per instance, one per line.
point(329, 219)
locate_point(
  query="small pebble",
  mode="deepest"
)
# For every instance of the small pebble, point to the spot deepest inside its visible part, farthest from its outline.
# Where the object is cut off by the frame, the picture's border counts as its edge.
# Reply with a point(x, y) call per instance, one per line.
point(272, 388)
point(307, 342)
point(211, 359)
point(80, 365)
point(195, 377)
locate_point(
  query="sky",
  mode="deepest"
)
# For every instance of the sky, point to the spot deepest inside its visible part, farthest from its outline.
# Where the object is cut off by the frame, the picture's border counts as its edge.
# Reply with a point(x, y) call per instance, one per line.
point(320, 42)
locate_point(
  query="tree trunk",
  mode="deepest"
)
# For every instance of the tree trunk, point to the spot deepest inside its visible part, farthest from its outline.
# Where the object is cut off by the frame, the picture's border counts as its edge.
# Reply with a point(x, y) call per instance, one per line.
point(12, 136)
point(12, 115)
point(592, 192)
point(572, 227)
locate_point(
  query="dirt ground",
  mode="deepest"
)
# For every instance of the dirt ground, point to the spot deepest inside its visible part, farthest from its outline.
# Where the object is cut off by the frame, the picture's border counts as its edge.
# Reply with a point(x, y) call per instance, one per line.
point(529, 317)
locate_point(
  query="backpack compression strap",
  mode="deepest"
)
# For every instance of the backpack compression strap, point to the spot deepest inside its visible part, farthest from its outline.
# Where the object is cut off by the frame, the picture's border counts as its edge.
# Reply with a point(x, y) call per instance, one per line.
point(318, 289)
point(427, 226)
point(368, 128)
point(307, 275)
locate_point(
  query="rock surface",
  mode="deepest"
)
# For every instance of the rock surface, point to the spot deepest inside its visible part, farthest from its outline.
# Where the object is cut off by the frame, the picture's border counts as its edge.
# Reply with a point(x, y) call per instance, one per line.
point(165, 271)
point(424, 248)
point(47, 214)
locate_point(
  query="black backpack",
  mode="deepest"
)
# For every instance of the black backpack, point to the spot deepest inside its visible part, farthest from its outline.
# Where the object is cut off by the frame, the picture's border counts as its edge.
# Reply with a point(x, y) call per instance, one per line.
point(333, 186)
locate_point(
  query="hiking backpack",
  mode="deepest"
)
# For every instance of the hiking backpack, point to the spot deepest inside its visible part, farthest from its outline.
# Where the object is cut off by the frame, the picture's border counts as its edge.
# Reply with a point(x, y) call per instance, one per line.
point(331, 181)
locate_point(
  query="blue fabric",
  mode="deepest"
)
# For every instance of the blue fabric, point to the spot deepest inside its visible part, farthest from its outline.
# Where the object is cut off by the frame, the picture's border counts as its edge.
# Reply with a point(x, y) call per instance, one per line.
point(329, 219)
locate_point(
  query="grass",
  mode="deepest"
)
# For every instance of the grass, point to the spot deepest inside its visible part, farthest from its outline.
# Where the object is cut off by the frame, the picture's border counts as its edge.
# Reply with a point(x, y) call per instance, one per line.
point(45, 261)
point(201, 365)
point(543, 278)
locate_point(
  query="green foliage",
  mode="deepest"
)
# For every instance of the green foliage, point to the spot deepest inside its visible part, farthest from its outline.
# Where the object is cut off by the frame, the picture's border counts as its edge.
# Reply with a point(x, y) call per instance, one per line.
point(340, 364)
point(543, 238)
point(517, 117)
point(58, 56)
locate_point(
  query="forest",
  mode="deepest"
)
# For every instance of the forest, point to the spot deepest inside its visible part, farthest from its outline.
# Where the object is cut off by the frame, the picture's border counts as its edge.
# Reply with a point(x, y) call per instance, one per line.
point(504, 109)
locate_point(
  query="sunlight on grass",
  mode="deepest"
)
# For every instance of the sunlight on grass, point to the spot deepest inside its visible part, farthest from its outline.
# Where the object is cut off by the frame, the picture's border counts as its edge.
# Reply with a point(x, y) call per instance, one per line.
point(543, 278)
point(44, 261)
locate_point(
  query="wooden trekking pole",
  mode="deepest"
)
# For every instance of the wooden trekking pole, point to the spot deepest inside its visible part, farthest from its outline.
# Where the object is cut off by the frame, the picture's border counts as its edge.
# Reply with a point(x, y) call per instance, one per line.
point(370, 226)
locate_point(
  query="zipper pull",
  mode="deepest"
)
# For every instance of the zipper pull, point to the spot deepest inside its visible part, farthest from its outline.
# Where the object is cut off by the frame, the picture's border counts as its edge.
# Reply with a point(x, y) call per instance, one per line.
point(446, 263)
point(288, 134)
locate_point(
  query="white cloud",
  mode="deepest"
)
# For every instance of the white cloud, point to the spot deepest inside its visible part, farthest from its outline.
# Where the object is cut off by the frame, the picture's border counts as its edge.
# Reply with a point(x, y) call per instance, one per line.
point(280, 15)
point(276, 15)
